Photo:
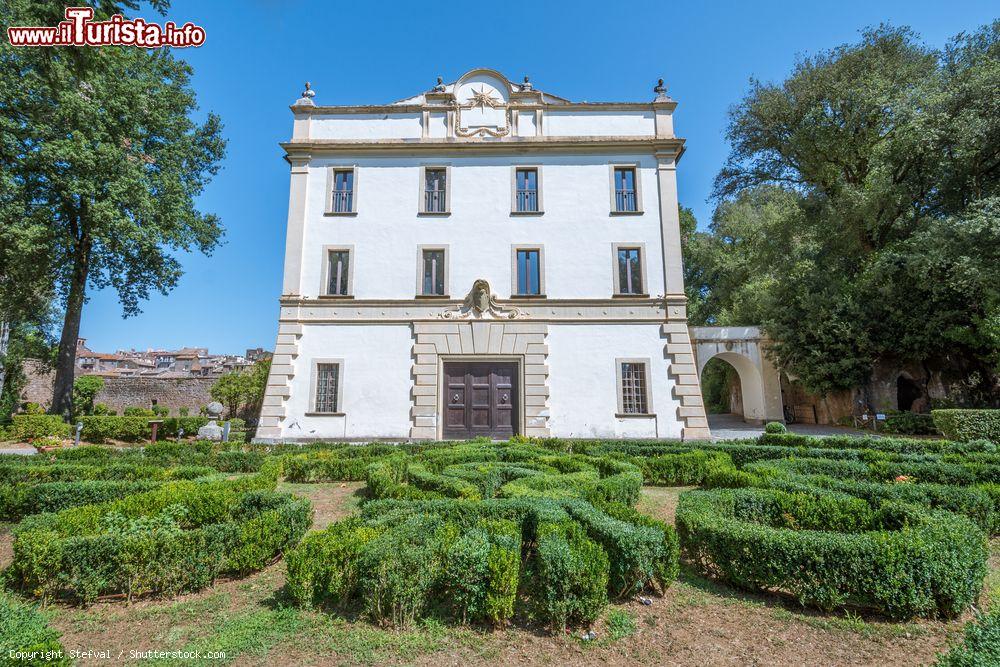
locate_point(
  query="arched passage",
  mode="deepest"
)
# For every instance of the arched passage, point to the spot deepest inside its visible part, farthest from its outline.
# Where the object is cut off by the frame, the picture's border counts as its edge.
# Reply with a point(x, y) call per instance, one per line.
point(750, 405)
point(742, 349)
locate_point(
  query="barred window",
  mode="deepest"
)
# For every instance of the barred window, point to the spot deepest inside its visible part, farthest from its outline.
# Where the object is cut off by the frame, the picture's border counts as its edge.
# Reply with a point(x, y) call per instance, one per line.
point(327, 381)
point(342, 197)
point(626, 200)
point(435, 191)
point(634, 394)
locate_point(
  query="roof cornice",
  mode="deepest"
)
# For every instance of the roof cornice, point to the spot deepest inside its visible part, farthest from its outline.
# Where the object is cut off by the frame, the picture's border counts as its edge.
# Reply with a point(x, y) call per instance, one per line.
point(658, 145)
point(315, 110)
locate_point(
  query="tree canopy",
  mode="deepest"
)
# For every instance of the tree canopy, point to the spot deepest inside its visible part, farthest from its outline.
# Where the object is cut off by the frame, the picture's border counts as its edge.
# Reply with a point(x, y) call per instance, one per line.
point(102, 160)
point(858, 213)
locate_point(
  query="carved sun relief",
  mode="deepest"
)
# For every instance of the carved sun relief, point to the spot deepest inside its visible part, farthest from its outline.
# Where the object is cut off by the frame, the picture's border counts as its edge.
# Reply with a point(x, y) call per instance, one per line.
point(482, 114)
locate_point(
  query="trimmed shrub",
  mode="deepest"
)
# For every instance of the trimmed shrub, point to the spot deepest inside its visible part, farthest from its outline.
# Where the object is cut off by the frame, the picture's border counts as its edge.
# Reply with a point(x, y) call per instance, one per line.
point(171, 426)
point(964, 425)
point(134, 411)
point(980, 647)
point(104, 428)
point(29, 427)
point(323, 568)
point(572, 575)
point(688, 468)
point(25, 637)
point(400, 567)
point(18, 501)
point(828, 550)
point(482, 571)
point(176, 538)
point(910, 423)
point(775, 427)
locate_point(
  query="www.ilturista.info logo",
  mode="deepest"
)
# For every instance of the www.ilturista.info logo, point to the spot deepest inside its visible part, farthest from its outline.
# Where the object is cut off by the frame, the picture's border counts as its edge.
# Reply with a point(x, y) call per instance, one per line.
point(80, 30)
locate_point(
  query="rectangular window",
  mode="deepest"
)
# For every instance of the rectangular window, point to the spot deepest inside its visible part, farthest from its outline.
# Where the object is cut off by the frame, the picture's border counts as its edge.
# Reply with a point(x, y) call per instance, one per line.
point(327, 384)
point(633, 384)
point(526, 190)
point(629, 271)
point(433, 273)
point(343, 191)
point(435, 191)
point(529, 272)
point(626, 200)
point(338, 272)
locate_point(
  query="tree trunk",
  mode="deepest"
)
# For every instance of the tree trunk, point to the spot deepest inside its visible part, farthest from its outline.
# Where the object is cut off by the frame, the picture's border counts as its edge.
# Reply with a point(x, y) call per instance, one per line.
point(4, 338)
point(62, 394)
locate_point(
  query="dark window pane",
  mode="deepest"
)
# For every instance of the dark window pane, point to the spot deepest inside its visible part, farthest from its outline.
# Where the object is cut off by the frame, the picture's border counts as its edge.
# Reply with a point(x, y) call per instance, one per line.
point(435, 191)
point(625, 195)
point(528, 272)
point(527, 189)
point(433, 282)
point(339, 265)
point(343, 192)
point(629, 271)
point(327, 379)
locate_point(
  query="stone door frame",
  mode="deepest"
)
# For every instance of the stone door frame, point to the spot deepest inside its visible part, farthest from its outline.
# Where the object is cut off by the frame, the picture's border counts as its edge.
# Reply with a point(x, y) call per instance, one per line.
point(485, 340)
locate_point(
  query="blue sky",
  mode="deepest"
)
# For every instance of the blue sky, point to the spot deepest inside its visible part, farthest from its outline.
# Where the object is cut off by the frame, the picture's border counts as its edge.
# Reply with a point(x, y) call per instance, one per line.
point(258, 54)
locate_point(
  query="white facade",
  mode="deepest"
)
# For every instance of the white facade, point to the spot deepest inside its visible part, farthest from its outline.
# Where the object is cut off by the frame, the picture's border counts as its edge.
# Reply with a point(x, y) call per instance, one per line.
point(574, 337)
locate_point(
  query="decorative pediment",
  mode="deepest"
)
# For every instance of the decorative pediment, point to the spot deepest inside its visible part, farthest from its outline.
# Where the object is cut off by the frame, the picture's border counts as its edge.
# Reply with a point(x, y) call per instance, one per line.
point(482, 97)
point(481, 303)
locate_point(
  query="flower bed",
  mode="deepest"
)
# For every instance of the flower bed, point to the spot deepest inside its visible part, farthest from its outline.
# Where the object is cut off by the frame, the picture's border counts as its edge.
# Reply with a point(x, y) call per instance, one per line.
point(830, 550)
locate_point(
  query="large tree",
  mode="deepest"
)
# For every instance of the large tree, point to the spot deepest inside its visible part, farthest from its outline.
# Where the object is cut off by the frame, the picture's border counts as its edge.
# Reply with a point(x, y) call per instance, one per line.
point(859, 211)
point(103, 160)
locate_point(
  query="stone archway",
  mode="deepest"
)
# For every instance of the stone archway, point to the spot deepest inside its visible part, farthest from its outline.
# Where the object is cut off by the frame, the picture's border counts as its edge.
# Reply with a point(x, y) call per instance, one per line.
point(743, 349)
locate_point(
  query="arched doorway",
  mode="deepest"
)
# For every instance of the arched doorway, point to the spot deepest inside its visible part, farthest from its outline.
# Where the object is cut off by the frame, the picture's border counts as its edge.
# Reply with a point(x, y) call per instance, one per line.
point(721, 389)
point(907, 393)
point(732, 384)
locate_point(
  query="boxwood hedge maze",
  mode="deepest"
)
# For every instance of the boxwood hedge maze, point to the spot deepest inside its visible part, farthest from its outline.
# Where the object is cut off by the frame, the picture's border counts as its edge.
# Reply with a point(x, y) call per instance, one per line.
point(537, 532)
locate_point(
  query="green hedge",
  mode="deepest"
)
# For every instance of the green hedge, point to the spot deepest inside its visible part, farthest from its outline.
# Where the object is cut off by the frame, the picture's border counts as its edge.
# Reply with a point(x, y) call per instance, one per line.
point(400, 559)
point(978, 503)
point(178, 537)
point(126, 429)
point(967, 425)
point(25, 637)
point(980, 647)
point(30, 427)
point(829, 550)
point(909, 423)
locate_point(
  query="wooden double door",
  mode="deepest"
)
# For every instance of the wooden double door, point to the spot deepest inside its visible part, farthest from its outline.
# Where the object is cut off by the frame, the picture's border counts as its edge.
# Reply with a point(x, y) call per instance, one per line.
point(480, 399)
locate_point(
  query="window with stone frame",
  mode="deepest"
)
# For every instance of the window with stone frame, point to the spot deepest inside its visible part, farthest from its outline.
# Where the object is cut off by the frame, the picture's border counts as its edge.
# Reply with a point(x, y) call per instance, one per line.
point(626, 197)
point(433, 273)
point(327, 384)
point(338, 271)
point(630, 271)
point(342, 197)
point(635, 394)
point(435, 190)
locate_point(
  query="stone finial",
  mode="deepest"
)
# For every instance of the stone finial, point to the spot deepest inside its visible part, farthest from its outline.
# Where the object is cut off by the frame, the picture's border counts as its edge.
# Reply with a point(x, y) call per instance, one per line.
point(660, 90)
point(307, 96)
point(440, 87)
point(526, 85)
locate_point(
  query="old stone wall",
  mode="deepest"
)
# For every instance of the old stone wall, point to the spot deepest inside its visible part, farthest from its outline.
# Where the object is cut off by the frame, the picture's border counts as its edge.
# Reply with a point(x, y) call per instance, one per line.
point(119, 393)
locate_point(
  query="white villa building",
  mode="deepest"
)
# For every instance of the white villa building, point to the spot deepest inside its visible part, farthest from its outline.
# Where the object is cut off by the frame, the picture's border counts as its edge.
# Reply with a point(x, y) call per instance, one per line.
point(483, 259)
